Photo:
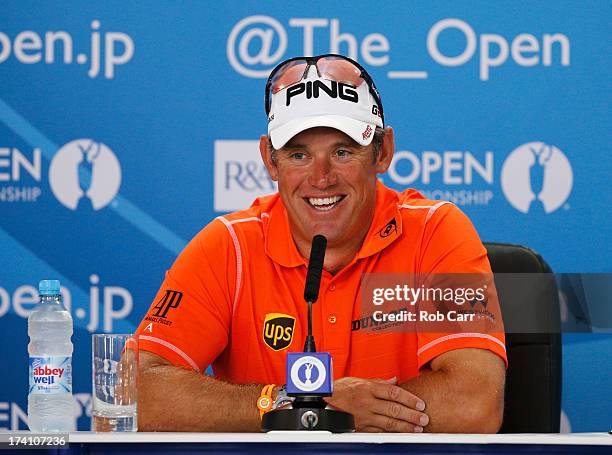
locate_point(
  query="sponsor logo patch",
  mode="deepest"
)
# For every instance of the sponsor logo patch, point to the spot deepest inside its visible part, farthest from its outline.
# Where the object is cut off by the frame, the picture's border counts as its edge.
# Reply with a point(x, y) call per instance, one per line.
point(278, 330)
point(159, 313)
point(389, 229)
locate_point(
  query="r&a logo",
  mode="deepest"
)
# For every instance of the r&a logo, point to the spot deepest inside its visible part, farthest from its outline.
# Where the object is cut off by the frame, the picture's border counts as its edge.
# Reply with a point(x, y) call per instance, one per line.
point(240, 175)
point(278, 330)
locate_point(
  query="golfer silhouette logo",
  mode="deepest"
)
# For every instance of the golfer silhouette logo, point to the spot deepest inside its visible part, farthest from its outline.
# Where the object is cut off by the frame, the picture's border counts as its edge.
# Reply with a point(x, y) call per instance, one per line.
point(308, 373)
point(85, 173)
point(541, 157)
point(536, 177)
point(86, 165)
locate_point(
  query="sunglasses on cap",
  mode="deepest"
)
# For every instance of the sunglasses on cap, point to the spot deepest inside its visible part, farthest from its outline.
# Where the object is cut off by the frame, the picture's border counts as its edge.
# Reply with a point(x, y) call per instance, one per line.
point(329, 66)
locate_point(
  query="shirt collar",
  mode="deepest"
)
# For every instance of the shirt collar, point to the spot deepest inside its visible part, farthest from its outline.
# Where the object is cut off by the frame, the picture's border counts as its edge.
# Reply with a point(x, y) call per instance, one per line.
point(386, 225)
point(279, 241)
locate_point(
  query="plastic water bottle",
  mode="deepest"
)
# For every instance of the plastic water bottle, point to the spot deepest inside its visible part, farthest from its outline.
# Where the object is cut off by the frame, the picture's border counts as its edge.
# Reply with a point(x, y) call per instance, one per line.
point(50, 404)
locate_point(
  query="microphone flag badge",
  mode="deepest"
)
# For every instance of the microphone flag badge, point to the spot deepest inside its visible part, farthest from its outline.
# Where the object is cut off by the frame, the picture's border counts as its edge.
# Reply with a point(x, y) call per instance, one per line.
point(309, 373)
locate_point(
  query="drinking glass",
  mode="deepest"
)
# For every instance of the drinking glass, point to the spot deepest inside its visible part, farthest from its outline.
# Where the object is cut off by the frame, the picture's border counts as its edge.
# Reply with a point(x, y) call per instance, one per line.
point(115, 382)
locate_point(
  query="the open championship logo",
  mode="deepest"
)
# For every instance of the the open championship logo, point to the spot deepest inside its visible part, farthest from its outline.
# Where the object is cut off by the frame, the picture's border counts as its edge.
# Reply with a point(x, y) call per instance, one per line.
point(85, 172)
point(537, 175)
point(308, 374)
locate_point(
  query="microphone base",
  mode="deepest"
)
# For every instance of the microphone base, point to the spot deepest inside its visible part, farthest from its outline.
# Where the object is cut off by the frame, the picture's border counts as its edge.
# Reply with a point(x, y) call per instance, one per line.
point(308, 419)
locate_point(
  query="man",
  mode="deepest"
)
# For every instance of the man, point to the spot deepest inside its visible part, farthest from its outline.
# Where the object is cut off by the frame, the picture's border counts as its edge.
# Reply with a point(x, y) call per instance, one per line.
point(233, 297)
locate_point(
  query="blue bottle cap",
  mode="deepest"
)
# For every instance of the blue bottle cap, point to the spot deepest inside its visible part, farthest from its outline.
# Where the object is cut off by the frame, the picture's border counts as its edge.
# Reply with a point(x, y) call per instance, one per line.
point(49, 287)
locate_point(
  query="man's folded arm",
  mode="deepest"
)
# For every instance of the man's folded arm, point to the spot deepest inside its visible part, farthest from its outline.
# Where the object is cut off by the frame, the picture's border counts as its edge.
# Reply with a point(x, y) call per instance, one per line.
point(175, 398)
point(173, 394)
point(463, 390)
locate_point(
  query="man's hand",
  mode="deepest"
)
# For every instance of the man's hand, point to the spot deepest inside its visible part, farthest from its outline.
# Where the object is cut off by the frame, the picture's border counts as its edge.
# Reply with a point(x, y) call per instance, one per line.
point(379, 405)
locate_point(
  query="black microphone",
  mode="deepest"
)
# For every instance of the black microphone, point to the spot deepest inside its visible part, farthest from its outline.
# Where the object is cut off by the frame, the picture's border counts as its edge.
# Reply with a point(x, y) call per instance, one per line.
point(315, 268)
point(313, 282)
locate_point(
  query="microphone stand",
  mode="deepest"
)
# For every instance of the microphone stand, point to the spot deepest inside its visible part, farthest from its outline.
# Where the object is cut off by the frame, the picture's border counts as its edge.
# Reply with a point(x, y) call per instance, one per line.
point(308, 401)
point(309, 412)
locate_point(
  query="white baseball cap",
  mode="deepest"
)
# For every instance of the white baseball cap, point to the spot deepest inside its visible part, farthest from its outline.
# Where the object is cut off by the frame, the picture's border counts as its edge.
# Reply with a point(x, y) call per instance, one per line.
point(318, 101)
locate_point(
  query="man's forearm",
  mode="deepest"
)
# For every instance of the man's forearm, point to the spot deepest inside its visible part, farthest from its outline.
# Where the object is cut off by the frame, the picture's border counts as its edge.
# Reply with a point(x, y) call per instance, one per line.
point(172, 398)
point(462, 397)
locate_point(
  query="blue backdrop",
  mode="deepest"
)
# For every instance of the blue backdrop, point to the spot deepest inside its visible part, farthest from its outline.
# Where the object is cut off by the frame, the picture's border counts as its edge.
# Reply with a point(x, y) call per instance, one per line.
point(126, 127)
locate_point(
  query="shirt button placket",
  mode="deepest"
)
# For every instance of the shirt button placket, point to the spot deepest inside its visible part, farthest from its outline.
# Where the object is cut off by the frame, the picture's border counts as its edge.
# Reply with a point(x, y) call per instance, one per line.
point(331, 318)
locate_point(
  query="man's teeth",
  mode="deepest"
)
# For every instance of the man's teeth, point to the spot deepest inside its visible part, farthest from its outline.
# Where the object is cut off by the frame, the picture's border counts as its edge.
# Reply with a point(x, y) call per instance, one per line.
point(323, 201)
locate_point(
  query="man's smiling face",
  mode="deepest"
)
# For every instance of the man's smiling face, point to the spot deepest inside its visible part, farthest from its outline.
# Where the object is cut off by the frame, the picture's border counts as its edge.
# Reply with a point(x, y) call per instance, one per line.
point(327, 182)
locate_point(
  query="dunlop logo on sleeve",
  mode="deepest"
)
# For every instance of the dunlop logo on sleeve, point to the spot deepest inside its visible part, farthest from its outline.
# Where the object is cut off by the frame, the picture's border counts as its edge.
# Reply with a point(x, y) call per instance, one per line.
point(278, 330)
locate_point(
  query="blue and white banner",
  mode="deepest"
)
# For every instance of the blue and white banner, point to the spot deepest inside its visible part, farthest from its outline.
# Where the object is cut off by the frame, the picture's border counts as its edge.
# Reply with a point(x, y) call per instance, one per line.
point(125, 127)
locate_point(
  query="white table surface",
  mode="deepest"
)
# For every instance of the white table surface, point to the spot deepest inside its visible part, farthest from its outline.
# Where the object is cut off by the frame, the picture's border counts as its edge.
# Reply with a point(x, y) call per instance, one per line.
point(324, 437)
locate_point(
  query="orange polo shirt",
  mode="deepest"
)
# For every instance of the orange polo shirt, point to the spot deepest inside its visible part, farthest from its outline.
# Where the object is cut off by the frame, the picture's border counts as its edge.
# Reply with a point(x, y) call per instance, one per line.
point(234, 296)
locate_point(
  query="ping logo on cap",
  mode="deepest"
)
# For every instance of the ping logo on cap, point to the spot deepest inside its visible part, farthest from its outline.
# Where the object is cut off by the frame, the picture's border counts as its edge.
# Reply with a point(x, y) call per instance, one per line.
point(278, 330)
point(313, 89)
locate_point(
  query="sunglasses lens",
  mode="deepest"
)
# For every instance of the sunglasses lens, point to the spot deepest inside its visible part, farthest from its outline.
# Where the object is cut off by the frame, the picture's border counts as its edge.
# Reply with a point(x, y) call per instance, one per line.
point(340, 70)
point(288, 74)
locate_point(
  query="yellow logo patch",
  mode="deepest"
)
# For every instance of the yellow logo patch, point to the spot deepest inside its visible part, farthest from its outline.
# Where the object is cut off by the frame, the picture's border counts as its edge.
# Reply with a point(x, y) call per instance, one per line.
point(278, 330)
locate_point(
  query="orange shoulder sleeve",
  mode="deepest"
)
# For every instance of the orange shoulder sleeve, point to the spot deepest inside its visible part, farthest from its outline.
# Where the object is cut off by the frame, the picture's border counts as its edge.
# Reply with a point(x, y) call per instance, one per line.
point(189, 319)
point(451, 246)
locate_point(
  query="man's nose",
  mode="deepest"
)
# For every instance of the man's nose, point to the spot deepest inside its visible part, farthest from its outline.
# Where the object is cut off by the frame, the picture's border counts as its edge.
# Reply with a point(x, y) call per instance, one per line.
point(322, 173)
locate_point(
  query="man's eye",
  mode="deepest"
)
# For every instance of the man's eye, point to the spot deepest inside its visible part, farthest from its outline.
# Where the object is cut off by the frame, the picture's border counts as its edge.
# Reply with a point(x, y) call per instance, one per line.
point(297, 156)
point(342, 153)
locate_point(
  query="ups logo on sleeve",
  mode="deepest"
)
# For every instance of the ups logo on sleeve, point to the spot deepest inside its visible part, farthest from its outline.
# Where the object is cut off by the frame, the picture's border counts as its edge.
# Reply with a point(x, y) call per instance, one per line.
point(278, 330)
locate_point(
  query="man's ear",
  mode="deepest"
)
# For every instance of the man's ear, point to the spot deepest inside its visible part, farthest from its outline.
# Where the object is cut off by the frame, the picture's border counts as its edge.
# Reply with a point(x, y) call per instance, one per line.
point(266, 155)
point(383, 160)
